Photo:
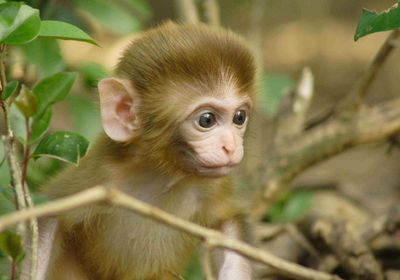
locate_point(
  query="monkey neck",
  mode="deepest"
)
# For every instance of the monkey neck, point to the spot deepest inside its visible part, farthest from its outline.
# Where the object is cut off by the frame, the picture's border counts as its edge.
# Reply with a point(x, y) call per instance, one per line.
point(132, 161)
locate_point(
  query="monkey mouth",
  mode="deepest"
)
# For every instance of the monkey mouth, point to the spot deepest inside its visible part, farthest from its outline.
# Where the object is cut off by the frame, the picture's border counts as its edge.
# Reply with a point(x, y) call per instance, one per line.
point(216, 170)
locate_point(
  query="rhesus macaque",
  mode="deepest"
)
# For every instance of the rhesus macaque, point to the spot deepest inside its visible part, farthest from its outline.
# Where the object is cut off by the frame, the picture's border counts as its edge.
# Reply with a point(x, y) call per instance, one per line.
point(174, 117)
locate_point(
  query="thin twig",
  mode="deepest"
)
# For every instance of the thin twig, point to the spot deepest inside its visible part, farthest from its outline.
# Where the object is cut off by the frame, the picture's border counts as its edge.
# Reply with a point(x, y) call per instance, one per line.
point(118, 198)
point(291, 157)
point(13, 272)
point(26, 153)
point(256, 15)
point(187, 11)
point(211, 12)
point(292, 113)
point(54, 207)
point(18, 177)
point(206, 261)
point(3, 81)
point(34, 234)
point(369, 76)
point(302, 240)
point(356, 97)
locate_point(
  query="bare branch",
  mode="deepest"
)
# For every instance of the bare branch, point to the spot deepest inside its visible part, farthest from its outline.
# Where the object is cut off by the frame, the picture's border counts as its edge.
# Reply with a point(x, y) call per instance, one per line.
point(369, 76)
point(288, 158)
point(293, 111)
point(206, 261)
point(355, 98)
point(18, 177)
point(54, 207)
point(187, 11)
point(211, 12)
point(118, 198)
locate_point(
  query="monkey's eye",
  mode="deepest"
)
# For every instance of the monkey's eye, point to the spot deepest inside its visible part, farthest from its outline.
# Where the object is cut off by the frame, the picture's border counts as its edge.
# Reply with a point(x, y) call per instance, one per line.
point(207, 120)
point(240, 117)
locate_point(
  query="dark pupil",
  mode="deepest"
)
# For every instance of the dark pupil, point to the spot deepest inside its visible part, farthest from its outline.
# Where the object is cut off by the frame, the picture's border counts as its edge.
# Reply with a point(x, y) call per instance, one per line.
point(240, 117)
point(207, 120)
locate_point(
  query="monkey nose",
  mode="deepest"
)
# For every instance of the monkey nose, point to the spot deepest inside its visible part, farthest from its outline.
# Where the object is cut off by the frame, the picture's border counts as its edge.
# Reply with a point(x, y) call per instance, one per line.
point(228, 144)
point(229, 149)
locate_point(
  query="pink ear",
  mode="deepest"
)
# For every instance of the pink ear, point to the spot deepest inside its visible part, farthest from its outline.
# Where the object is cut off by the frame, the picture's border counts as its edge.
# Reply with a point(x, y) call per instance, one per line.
point(118, 104)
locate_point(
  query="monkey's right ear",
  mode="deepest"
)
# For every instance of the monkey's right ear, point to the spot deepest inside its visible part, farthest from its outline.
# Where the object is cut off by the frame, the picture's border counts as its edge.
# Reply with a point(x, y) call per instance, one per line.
point(118, 107)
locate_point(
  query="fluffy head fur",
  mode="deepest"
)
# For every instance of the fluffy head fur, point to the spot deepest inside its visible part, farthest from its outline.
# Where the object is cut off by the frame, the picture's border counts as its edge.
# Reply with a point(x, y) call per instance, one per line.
point(172, 65)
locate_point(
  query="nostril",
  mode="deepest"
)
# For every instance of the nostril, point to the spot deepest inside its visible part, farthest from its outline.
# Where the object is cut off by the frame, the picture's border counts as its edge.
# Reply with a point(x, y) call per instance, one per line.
point(228, 150)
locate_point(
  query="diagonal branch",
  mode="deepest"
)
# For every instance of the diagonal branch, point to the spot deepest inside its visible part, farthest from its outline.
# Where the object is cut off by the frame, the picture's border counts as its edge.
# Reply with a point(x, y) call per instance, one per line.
point(118, 198)
point(355, 98)
point(369, 76)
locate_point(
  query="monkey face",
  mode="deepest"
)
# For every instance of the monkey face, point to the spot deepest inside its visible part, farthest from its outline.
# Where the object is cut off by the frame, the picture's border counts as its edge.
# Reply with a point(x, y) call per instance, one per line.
point(214, 132)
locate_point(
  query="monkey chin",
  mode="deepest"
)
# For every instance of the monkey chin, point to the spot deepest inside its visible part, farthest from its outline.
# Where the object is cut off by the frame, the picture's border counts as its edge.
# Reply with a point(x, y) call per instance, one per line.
point(215, 171)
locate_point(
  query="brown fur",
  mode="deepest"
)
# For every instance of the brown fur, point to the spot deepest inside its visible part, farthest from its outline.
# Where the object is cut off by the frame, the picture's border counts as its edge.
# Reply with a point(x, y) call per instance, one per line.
point(166, 65)
point(171, 65)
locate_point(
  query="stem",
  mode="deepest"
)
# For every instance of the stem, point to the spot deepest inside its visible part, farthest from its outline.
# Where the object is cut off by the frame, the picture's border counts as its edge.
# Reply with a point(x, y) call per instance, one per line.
point(376, 65)
point(206, 261)
point(211, 12)
point(22, 194)
point(187, 11)
point(26, 153)
point(3, 80)
point(13, 270)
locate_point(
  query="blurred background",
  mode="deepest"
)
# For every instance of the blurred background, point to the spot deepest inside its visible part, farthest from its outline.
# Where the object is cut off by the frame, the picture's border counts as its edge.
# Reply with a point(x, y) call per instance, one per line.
point(286, 35)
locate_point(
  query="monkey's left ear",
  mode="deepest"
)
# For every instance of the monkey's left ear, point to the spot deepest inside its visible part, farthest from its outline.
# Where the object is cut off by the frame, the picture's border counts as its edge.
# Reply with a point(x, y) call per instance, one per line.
point(118, 106)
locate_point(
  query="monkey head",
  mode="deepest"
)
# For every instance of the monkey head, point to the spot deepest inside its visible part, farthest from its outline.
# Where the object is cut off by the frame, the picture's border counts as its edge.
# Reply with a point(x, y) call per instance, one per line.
point(182, 97)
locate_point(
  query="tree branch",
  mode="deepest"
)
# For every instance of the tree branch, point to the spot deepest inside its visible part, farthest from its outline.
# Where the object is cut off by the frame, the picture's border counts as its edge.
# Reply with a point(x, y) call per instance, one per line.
point(206, 261)
point(18, 177)
point(293, 110)
point(355, 98)
point(369, 76)
point(288, 158)
point(187, 11)
point(211, 12)
point(118, 198)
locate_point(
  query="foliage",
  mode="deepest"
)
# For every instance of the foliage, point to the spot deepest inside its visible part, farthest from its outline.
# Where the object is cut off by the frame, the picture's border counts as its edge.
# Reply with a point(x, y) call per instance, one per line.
point(371, 22)
point(30, 30)
point(290, 207)
point(65, 146)
point(29, 108)
point(10, 244)
point(273, 87)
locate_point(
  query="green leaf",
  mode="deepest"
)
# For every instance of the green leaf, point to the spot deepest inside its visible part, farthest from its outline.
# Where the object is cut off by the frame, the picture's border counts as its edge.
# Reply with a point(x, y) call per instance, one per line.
point(92, 73)
point(53, 89)
point(194, 270)
point(85, 116)
point(6, 206)
point(10, 244)
point(63, 30)
point(65, 146)
point(371, 22)
point(273, 86)
point(110, 15)
point(41, 124)
point(291, 207)
point(11, 87)
point(19, 23)
point(45, 55)
point(26, 102)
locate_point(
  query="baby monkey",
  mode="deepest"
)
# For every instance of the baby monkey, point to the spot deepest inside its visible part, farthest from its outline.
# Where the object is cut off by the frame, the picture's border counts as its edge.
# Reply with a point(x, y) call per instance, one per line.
point(174, 117)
